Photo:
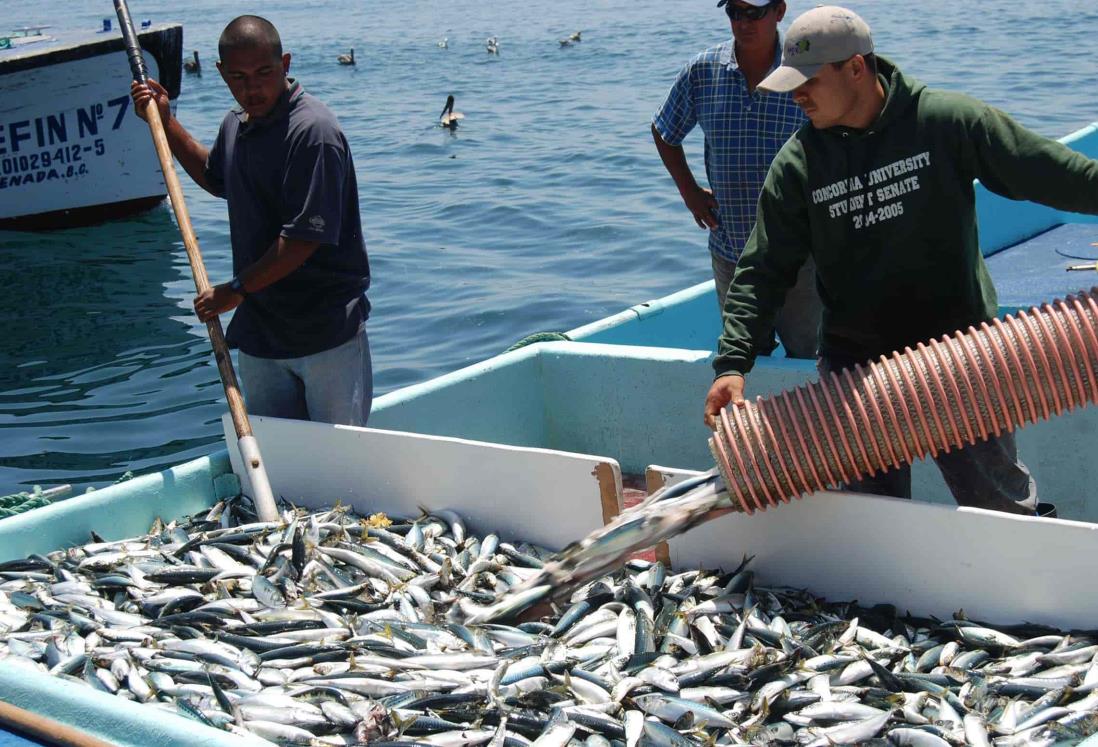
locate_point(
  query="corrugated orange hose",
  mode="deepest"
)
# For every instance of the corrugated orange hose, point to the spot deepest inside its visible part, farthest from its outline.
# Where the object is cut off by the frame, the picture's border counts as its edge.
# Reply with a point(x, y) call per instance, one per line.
point(943, 395)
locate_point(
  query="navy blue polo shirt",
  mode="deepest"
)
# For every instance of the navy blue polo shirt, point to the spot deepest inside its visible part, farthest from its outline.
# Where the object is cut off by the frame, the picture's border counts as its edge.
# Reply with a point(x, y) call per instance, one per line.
point(291, 174)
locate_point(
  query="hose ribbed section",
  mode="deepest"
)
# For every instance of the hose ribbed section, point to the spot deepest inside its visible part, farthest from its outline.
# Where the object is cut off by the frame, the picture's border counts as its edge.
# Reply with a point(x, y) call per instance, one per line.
point(943, 395)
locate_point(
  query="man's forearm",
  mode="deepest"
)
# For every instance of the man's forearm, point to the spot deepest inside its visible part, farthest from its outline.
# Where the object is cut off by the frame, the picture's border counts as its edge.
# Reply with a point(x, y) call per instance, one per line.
point(674, 159)
point(190, 153)
point(284, 256)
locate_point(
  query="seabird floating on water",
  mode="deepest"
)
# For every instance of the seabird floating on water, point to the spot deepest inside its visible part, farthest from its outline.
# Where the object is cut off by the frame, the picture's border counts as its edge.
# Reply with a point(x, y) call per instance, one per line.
point(347, 59)
point(492, 45)
point(449, 118)
point(193, 66)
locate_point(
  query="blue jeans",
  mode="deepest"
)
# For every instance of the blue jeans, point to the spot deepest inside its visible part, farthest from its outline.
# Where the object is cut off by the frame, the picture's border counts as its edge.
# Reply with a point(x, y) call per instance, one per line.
point(988, 474)
point(798, 321)
point(333, 386)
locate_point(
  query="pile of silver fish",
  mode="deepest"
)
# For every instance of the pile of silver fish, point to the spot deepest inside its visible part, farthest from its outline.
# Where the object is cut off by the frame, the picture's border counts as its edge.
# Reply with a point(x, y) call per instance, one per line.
point(329, 628)
point(664, 514)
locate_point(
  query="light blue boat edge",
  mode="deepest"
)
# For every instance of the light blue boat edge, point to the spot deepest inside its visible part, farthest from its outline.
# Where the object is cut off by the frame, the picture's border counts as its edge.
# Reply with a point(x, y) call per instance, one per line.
point(1004, 222)
point(108, 717)
point(685, 319)
point(132, 507)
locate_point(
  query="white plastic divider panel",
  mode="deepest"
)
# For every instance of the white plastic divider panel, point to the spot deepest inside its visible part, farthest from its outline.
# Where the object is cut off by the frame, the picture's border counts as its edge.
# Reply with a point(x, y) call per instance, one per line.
point(542, 496)
point(924, 558)
point(657, 476)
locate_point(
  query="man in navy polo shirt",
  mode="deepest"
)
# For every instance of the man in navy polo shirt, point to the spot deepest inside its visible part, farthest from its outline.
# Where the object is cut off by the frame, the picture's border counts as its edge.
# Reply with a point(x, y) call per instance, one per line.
point(300, 267)
point(743, 132)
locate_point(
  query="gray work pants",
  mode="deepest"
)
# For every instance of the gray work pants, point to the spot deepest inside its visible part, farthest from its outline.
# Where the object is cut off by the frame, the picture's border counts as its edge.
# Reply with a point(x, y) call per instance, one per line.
point(987, 474)
point(333, 386)
point(798, 322)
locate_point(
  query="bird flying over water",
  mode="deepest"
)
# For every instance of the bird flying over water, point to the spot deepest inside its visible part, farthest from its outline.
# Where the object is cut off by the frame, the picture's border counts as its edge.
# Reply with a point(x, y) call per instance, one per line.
point(347, 59)
point(449, 118)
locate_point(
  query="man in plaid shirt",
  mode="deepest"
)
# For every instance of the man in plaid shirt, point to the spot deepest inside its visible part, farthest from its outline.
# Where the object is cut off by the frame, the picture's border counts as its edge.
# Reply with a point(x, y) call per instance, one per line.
point(744, 129)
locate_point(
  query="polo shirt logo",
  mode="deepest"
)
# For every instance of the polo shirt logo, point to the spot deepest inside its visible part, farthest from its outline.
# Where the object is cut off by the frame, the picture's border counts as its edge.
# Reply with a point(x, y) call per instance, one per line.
point(317, 223)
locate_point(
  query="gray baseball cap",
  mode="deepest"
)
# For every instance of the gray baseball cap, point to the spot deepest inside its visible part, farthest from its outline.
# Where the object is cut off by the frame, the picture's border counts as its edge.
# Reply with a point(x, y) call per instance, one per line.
point(824, 34)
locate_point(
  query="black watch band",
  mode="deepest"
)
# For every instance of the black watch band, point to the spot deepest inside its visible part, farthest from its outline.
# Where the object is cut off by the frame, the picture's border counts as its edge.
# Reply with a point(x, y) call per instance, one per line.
point(236, 286)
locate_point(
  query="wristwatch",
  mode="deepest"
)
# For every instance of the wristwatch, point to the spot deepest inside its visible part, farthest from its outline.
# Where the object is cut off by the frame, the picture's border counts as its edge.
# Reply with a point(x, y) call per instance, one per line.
point(237, 286)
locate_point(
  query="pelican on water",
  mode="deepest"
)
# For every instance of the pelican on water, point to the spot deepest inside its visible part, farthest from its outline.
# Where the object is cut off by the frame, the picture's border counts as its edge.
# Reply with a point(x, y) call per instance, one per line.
point(492, 45)
point(193, 66)
point(347, 59)
point(449, 118)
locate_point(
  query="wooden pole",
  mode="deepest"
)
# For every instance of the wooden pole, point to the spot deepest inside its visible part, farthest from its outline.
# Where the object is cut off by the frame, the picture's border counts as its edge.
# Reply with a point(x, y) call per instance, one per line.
point(249, 448)
point(46, 729)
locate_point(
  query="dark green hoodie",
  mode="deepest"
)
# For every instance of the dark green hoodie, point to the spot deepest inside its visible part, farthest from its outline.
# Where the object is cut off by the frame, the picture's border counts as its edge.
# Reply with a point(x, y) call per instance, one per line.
point(889, 215)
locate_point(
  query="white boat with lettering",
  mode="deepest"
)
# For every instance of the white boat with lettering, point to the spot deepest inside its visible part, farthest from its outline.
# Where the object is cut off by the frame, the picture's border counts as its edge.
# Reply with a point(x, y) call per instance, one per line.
point(71, 151)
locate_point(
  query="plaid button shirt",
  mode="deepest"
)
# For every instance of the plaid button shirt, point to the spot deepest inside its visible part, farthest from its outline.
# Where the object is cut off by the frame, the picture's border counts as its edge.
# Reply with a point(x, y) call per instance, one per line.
point(743, 133)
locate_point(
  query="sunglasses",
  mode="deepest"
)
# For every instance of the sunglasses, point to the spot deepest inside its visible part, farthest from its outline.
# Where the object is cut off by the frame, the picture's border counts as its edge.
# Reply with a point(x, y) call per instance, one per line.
point(750, 13)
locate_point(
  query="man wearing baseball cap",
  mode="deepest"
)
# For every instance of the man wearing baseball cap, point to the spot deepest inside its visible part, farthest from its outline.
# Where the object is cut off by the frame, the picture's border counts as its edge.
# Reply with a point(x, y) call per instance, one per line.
point(877, 189)
point(743, 129)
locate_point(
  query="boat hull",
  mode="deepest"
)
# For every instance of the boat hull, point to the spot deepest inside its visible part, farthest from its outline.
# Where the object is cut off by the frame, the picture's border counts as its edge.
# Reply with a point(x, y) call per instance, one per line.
point(72, 151)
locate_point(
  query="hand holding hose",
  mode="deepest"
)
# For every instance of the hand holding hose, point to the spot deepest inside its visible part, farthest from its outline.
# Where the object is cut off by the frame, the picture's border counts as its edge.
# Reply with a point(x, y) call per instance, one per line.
point(725, 389)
